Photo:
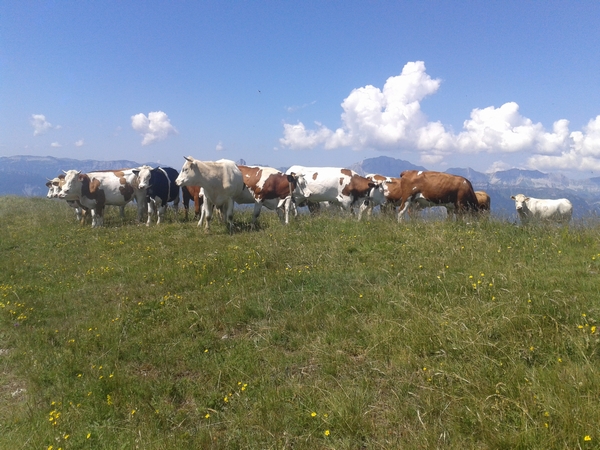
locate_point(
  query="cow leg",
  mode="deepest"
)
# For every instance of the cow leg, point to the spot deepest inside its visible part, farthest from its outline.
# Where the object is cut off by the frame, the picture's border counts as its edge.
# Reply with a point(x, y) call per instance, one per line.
point(160, 212)
point(228, 210)
point(94, 219)
point(256, 213)
point(288, 205)
point(365, 205)
point(122, 211)
point(176, 205)
point(403, 208)
point(140, 213)
point(186, 208)
point(206, 215)
point(150, 212)
point(97, 216)
point(282, 210)
point(313, 208)
point(160, 209)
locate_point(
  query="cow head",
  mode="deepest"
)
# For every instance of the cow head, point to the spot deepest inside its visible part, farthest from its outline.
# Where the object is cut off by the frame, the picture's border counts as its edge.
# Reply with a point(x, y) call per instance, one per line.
point(143, 175)
point(520, 202)
point(53, 188)
point(377, 192)
point(301, 191)
point(187, 172)
point(72, 184)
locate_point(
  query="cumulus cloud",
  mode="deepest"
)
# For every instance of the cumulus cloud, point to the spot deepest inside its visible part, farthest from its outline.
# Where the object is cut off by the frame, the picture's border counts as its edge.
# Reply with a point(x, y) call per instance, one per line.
point(40, 124)
point(391, 119)
point(582, 153)
point(153, 128)
point(55, 145)
point(79, 143)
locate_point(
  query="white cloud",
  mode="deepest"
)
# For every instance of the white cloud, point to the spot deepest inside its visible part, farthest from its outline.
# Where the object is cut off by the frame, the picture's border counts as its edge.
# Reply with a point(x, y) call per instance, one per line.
point(375, 118)
point(220, 146)
point(40, 124)
point(391, 119)
point(497, 166)
point(55, 145)
point(293, 109)
point(582, 153)
point(156, 127)
point(79, 143)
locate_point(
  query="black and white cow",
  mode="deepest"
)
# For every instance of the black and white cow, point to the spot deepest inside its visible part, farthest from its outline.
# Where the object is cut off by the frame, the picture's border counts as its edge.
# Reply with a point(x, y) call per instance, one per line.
point(160, 189)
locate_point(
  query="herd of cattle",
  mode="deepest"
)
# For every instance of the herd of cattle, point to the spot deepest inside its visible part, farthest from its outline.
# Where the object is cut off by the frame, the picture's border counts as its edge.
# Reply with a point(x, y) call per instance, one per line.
point(220, 184)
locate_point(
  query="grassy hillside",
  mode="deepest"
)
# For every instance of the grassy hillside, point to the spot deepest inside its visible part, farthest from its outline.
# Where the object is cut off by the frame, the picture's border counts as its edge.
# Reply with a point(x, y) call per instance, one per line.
point(327, 333)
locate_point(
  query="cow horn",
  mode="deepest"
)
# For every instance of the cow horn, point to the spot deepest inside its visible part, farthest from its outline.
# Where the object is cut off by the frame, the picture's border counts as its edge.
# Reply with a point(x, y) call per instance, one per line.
point(188, 158)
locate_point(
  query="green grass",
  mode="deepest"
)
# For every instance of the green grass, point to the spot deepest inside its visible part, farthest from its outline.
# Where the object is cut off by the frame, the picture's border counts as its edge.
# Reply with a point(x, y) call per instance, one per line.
point(327, 333)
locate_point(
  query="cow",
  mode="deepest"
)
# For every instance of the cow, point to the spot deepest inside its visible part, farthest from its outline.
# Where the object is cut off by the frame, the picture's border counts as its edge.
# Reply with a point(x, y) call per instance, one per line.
point(542, 210)
point(267, 187)
point(95, 190)
point(391, 191)
point(55, 187)
point(342, 187)
point(221, 181)
point(195, 194)
point(483, 201)
point(161, 189)
point(427, 188)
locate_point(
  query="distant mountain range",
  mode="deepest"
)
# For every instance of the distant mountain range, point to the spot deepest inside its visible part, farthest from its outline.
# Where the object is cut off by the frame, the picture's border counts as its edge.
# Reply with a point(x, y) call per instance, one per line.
point(27, 176)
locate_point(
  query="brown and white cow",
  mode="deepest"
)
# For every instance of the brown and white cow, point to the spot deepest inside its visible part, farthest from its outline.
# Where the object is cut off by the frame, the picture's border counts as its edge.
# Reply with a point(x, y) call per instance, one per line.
point(54, 189)
point(95, 190)
point(392, 191)
point(427, 188)
point(267, 187)
point(221, 181)
point(338, 186)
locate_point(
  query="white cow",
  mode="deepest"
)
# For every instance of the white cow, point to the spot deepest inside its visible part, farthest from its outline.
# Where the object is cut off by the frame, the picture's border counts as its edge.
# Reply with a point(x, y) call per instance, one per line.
point(338, 186)
point(534, 209)
point(95, 190)
point(221, 182)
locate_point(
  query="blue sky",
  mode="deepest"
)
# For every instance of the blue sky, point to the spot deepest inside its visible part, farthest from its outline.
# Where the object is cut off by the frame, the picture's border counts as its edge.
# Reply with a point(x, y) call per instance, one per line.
point(484, 84)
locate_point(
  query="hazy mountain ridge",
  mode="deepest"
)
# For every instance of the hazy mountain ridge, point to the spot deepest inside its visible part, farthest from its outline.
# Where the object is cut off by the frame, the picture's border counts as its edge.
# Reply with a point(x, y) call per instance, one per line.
point(27, 175)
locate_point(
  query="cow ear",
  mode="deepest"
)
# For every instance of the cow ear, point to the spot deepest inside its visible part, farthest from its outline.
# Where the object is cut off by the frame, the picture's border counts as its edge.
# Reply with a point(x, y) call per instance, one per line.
point(292, 177)
point(136, 172)
point(513, 197)
point(526, 198)
point(80, 177)
point(188, 158)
